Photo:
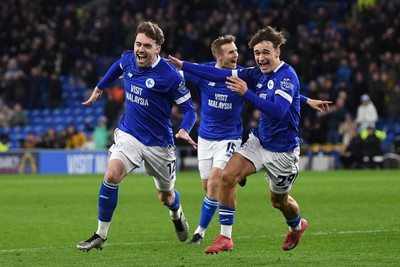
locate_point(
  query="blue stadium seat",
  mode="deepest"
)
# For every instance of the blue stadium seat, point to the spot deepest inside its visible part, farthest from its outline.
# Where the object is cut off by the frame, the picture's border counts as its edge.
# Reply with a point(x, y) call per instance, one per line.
point(60, 127)
point(99, 111)
point(88, 111)
point(27, 129)
point(45, 112)
point(58, 119)
point(5, 130)
point(15, 144)
point(36, 120)
point(35, 113)
point(39, 129)
point(15, 130)
point(57, 112)
point(66, 112)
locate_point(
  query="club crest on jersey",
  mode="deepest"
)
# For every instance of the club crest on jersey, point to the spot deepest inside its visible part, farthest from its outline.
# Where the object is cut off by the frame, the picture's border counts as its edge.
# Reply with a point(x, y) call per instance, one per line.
point(287, 84)
point(150, 83)
point(182, 88)
point(270, 84)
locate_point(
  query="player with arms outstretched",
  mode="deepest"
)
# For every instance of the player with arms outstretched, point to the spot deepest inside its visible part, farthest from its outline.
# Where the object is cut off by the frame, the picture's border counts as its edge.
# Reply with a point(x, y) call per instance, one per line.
point(152, 86)
point(273, 145)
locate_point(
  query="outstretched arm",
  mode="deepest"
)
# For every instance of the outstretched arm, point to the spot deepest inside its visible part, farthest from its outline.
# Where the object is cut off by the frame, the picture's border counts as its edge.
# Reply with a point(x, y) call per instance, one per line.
point(319, 105)
point(94, 96)
point(175, 61)
point(183, 134)
point(205, 72)
point(112, 74)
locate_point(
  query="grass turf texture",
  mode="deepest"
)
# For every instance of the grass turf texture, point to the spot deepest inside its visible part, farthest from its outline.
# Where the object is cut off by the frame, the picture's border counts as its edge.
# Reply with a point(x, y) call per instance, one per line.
point(353, 221)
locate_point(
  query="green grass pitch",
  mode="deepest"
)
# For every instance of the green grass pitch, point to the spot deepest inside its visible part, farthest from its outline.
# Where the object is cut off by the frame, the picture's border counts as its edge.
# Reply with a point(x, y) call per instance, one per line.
point(354, 220)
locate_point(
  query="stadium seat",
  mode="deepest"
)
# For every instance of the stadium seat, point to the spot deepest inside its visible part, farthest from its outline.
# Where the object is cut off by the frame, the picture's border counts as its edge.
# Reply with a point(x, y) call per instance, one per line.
point(57, 112)
point(66, 112)
point(39, 129)
point(45, 112)
point(5, 130)
point(35, 113)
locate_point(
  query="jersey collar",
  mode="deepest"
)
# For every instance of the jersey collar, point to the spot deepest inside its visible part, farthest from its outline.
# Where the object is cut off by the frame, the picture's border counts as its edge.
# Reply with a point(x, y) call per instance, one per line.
point(156, 62)
point(279, 66)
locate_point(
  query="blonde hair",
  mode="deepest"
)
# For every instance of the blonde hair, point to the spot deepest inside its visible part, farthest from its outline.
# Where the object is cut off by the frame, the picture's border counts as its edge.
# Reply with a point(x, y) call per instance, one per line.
point(220, 41)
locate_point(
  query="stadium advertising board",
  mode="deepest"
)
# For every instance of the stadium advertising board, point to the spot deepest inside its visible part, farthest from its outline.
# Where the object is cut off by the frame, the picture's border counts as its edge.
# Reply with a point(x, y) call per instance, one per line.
point(73, 162)
point(19, 162)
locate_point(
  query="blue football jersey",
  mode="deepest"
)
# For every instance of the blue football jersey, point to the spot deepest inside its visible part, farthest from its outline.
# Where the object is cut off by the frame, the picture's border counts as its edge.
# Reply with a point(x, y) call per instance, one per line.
point(278, 135)
point(220, 109)
point(149, 96)
point(281, 87)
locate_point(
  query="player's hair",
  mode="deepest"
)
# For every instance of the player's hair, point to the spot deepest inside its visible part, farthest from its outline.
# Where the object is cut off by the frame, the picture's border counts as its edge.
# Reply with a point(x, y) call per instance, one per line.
point(152, 31)
point(268, 34)
point(220, 41)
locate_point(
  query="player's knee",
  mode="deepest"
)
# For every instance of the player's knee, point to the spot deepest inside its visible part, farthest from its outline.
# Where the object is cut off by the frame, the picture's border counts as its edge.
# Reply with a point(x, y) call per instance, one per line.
point(277, 204)
point(227, 180)
point(112, 176)
point(166, 198)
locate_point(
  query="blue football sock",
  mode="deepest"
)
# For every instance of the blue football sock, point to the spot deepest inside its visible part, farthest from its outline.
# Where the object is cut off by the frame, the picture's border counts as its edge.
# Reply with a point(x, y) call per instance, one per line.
point(226, 215)
point(176, 203)
point(108, 198)
point(293, 223)
point(207, 211)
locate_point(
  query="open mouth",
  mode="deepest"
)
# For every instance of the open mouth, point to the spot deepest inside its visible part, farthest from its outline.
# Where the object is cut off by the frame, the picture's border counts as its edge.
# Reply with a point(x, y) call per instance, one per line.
point(263, 65)
point(141, 57)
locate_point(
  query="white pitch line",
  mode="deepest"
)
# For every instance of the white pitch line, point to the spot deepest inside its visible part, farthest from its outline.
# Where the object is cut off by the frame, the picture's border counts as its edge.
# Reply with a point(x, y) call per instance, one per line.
point(356, 232)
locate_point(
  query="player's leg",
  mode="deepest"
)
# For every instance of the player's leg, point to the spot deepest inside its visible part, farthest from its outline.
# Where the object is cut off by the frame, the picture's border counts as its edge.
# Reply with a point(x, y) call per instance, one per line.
point(118, 167)
point(210, 201)
point(206, 152)
point(281, 173)
point(108, 198)
point(290, 210)
point(160, 163)
point(237, 167)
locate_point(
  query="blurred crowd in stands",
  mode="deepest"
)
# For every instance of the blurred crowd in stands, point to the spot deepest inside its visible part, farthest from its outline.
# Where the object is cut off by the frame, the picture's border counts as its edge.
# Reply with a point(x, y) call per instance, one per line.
point(344, 51)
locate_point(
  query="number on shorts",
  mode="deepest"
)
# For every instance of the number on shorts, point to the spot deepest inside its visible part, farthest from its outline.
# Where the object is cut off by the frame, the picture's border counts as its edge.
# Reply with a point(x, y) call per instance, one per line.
point(171, 168)
point(231, 147)
point(285, 181)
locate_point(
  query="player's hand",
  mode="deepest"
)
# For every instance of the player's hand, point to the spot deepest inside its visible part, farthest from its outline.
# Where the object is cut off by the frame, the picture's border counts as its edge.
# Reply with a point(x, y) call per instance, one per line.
point(236, 84)
point(182, 134)
point(95, 95)
point(319, 105)
point(176, 62)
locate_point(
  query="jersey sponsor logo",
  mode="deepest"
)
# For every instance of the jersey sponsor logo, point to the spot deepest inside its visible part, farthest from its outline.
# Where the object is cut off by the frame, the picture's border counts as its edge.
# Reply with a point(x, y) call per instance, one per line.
point(259, 85)
point(287, 84)
point(135, 89)
point(218, 104)
point(137, 99)
point(211, 84)
point(270, 84)
point(130, 75)
point(221, 97)
point(150, 83)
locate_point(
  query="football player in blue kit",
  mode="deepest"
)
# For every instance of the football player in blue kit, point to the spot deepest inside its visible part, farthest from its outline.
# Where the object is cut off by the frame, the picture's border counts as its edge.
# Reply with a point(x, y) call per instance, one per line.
point(144, 134)
point(220, 130)
point(273, 145)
